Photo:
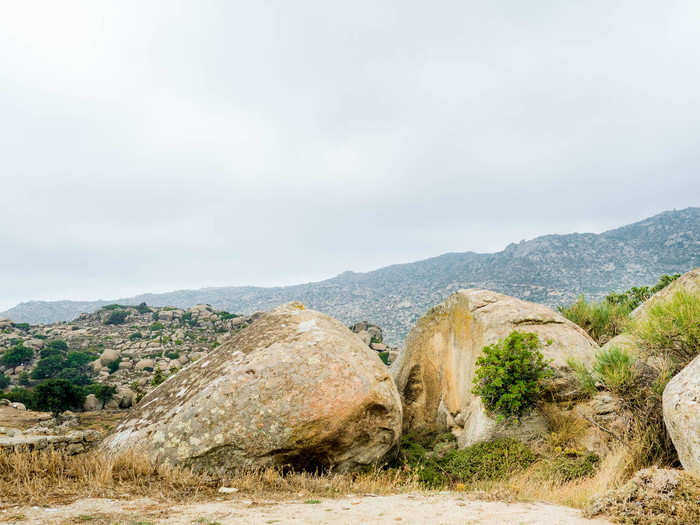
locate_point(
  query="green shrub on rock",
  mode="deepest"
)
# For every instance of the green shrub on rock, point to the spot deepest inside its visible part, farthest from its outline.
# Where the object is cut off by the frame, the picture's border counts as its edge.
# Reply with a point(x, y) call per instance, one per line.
point(4, 381)
point(509, 375)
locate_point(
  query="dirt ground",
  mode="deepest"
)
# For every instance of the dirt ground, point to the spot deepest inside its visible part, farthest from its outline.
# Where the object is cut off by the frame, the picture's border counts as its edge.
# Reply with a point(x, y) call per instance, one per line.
point(445, 508)
point(21, 419)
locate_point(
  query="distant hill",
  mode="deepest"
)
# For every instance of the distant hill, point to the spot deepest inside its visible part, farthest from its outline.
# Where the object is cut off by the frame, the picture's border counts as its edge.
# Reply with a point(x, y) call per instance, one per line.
point(552, 269)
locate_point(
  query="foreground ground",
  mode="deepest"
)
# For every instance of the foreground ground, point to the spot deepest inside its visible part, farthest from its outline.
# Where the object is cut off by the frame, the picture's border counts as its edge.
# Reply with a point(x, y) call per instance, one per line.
point(438, 508)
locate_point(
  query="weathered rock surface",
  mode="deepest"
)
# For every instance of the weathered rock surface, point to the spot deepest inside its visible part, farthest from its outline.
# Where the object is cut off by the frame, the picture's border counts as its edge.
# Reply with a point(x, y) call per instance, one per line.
point(435, 370)
point(681, 404)
point(296, 387)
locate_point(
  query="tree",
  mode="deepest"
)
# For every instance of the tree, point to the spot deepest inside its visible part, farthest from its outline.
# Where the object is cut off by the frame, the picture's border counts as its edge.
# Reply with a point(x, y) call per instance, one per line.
point(57, 395)
point(17, 355)
point(4, 381)
point(48, 367)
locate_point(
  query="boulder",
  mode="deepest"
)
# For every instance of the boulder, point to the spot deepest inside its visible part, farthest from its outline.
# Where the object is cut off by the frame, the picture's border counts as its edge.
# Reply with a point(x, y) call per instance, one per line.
point(681, 405)
point(295, 388)
point(145, 363)
point(92, 403)
point(126, 396)
point(109, 356)
point(435, 370)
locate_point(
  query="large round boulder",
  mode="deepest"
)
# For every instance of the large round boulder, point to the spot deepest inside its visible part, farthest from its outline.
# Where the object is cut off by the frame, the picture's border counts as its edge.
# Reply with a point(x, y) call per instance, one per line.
point(681, 405)
point(434, 372)
point(294, 388)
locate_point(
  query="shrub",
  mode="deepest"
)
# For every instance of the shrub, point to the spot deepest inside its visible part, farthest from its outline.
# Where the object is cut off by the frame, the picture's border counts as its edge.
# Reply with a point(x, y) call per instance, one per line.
point(384, 356)
point(74, 375)
point(571, 465)
point(57, 395)
point(117, 317)
point(21, 395)
point(614, 368)
point(225, 316)
point(135, 336)
point(488, 460)
point(158, 377)
point(142, 308)
point(57, 344)
point(17, 355)
point(509, 375)
point(672, 328)
point(155, 316)
point(114, 365)
point(79, 359)
point(21, 326)
point(112, 307)
point(157, 326)
point(24, 379)
point(602, 321)
point(584, 377)
point(102, 392)
point(4, 381)
point(172, 355)
point(48, 367)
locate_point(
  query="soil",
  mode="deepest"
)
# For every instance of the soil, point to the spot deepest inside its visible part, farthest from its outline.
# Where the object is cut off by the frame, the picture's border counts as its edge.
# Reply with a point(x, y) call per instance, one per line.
point(444, 508)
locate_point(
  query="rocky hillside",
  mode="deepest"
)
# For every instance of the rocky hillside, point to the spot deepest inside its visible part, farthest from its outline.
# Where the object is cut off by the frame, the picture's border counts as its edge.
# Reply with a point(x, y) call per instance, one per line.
point(130, 347)
point(553, 270)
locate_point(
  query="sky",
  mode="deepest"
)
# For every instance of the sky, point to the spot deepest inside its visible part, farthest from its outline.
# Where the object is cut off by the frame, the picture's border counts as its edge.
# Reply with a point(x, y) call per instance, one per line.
point(154, 146)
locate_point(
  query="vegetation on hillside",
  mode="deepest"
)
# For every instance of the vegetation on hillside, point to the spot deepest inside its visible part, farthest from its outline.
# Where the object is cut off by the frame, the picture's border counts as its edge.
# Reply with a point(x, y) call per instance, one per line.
point(610, 317)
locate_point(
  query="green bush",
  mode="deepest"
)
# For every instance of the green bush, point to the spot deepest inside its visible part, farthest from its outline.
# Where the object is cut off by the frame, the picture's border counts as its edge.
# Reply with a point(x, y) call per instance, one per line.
point(48, 367)
point(384, 356)
point(74, 375)
point(488, 460)
point(79, 359)
point(4, 381)
point(21, 326)
point(142, 308)
point(584, 377)
point(24, 379)
point(157, 326)
point(114, 365)
point(135, 336)
point(102, 392)
point(672, 328)
point(21, 395)
point(614, 368)
point(57, 395)
point(112, 307)
point(57, 344)
point(117, 317)
point(602, 321)
point(571, 466)
point(172, 355)
point(509, 375)
point(158, 377)
point(436, 461)
point(17, 355)
point(225, 316)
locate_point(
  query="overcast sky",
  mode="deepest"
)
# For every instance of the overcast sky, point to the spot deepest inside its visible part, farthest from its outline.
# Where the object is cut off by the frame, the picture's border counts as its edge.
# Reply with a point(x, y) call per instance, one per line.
point(151, 146)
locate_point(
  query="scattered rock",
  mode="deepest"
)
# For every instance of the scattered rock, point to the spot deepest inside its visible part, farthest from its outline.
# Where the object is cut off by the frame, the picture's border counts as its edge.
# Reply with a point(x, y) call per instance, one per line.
point(92, 403)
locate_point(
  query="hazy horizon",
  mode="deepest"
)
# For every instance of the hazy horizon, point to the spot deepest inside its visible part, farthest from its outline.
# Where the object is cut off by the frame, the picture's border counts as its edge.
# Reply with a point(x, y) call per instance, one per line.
point(151, 147)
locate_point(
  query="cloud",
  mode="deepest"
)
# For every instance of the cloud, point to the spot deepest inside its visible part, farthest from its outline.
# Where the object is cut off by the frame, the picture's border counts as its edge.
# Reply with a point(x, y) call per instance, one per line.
point(153, 146)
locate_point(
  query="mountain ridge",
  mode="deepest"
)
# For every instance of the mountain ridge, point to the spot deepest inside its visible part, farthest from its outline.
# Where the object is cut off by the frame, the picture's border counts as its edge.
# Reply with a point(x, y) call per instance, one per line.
point(551, 269)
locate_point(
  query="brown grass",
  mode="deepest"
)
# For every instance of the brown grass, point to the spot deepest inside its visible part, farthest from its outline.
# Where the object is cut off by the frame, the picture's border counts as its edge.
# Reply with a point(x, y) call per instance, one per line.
point(49, 476)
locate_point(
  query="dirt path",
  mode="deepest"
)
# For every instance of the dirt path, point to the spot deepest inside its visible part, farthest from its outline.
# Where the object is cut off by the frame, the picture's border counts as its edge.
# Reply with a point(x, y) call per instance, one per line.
point(439, 509)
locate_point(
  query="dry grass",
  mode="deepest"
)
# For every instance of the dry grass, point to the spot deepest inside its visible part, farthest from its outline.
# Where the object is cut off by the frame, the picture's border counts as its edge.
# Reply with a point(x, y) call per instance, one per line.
point(49, 476)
